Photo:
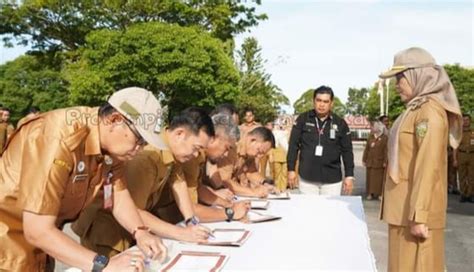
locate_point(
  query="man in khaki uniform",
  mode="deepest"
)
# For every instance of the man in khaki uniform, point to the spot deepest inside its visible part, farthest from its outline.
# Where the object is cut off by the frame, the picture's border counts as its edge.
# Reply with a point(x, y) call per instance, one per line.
point(249, 123)
point(147, 175)
point(465, 161)
point(415, 193)
point(6, 129)
point(55, 164)
point(238, 171)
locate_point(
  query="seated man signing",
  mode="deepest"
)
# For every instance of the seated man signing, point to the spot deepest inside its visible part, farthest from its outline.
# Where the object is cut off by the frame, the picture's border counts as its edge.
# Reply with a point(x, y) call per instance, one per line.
point(238, 171)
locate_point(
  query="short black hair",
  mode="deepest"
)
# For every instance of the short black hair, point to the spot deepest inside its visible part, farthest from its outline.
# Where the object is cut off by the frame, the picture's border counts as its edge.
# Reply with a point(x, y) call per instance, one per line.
point(249, 110)
point(466, 115)
point(195, 119)
point(264, 133)
point(33, 109)
point(106, 109)
point(225, 108)
point(323, 90)
point(381, 117)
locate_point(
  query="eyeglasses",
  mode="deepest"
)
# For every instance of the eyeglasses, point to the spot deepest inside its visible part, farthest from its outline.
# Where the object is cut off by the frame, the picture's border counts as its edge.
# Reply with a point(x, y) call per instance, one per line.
point(140, 141)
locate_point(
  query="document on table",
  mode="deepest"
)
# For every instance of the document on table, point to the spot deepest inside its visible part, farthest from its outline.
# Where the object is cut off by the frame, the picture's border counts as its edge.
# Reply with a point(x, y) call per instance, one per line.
point(283, 195)
point(197, 261)
point(228, 237)
point(258, 204)
point(256, 217)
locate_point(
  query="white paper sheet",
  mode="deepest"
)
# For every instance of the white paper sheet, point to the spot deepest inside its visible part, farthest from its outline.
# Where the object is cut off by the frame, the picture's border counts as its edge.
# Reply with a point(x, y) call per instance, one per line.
point(256, 217)
point(259, 204)
point(283, 195)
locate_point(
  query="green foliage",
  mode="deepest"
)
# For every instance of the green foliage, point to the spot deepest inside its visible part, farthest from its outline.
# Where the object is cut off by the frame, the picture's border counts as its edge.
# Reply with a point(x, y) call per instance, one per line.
point(27, 82)
point(463, 81)
point(356, 101)
point(257, 90)
point(182, 66)
point(305, 103)
point(395, 104)
point(59, 24)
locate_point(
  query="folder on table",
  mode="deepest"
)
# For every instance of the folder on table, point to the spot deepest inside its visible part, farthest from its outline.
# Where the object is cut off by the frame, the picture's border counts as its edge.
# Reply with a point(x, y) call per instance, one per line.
point(196, 261)
point(227, 237)
point(259, 204)
point(256, 217)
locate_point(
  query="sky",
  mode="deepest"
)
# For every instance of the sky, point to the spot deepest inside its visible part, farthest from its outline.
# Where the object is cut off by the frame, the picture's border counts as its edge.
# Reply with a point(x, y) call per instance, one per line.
point(343, 43)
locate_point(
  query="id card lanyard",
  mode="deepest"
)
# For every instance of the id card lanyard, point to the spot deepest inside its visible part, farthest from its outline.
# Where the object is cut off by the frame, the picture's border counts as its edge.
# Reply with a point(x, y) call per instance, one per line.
point(318, 152)
point(108, 192)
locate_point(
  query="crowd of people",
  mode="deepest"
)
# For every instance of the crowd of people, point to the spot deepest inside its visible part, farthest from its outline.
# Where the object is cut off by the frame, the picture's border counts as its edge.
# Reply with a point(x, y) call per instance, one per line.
point(123, 178)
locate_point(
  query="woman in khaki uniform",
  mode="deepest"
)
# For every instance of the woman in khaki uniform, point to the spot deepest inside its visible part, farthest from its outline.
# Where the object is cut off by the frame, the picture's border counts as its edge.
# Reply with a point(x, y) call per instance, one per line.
point(55, 164)
point(415, 193)
point(375, 160)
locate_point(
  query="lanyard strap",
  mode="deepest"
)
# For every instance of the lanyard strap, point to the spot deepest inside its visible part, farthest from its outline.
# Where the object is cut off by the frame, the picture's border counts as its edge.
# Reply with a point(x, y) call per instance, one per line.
point(320, 130)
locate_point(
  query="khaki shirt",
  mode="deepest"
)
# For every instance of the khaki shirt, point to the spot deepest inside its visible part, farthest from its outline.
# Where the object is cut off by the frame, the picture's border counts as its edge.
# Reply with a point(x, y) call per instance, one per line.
point(52, 165)
point(194, 171)
point(5, 131)
point(244, 166)
point(467, 141)
point(421, 194)
point(375, 152)
point(147, 173)
point(246, 128)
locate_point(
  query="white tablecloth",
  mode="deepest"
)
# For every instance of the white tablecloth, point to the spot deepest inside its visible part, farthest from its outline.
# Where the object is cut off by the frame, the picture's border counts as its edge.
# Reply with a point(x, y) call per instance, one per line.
point(315, 233)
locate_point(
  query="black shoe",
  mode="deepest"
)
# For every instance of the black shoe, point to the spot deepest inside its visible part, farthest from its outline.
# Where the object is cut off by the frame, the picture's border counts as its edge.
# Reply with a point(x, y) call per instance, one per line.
point(464, 199)
point(455, 192)
point(471, 199)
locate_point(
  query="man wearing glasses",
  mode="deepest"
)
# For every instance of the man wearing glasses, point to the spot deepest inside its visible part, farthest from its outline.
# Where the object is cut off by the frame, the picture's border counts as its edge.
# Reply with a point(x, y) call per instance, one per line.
point(55, 164)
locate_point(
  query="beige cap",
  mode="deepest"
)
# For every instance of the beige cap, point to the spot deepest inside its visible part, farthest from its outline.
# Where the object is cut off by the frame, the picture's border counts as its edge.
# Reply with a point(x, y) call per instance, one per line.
point(413, 57)
point(141, 108)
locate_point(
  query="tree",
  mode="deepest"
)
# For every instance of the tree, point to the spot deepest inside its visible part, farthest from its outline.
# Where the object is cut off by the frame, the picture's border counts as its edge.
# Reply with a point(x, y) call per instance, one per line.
point(395, 104)
point(258, 92)
point(27, 82)
point(305, 103)
point(64, 25)
point(463, 81)
point(356, 101)
point(182, 66)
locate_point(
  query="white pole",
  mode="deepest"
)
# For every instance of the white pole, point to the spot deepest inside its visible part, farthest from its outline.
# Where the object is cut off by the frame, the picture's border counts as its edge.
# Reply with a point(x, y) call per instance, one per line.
point(387, 84)
point(380, 91)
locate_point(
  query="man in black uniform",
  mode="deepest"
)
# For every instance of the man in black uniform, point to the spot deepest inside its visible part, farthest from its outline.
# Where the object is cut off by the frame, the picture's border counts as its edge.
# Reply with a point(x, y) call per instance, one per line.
point(321, 138)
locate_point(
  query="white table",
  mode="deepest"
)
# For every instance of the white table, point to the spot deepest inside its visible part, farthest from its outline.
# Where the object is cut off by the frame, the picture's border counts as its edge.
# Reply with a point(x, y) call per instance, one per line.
point(315, 233)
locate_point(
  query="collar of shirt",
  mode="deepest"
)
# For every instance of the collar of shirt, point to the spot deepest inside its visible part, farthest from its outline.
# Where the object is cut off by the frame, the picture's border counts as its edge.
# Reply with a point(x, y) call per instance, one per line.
point(313, 114)
point(92, 144)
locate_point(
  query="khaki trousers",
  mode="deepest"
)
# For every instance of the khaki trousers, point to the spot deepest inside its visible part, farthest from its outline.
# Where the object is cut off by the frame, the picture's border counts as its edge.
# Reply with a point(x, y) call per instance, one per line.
point(407, 253)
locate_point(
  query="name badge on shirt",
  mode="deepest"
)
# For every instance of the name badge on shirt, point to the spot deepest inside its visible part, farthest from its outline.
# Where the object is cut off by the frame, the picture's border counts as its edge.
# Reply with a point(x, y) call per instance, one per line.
point(80, 177)
point(318, 152)
point(108, 197)
point(332, 134)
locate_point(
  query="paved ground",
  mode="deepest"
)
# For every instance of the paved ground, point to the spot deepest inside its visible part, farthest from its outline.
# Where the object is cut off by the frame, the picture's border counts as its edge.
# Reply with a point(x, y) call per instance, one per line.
point(459, 231)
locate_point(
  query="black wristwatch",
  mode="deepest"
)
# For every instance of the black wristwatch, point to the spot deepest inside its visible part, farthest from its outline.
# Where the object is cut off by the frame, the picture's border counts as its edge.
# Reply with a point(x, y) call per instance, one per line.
point(100, 262)
point(194, 220)
point(230, 214)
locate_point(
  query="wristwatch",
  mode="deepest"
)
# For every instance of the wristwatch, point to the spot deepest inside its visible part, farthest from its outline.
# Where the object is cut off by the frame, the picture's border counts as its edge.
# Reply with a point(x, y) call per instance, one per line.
point(230, 214)
point(100, 262)
point(193, 220)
